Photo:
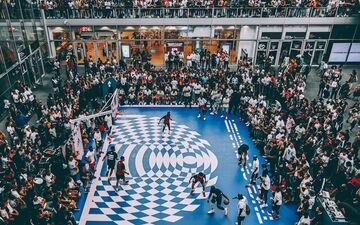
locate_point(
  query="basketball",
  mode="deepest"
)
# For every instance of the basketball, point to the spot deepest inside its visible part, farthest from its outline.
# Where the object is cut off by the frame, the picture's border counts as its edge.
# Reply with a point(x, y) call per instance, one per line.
point(226, 201)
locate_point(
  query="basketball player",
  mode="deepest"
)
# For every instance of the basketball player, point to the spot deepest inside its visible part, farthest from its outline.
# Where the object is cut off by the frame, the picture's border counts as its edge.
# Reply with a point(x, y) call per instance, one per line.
point(215, 196)
point(243, 153)
point(200, 177)
point(111, 159)
point(166, 119)
point(120, 172)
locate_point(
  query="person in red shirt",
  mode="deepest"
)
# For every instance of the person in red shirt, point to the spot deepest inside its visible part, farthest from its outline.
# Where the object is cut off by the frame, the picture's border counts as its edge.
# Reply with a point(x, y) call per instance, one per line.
point(200, 177)
point(120, 172)
point(166, 120)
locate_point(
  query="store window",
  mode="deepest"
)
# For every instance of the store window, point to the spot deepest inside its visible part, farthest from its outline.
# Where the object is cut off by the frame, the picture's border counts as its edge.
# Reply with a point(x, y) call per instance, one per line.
point(5, 85)
point(295, 35)
point(343, 31)
point(177, 32)
point(319, 35)
point(357, 34)
point(271, 35)
point(354, 53)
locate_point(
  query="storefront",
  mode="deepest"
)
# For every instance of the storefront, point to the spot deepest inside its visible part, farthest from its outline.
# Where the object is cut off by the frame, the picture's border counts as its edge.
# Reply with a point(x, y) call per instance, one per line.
point(110, 43)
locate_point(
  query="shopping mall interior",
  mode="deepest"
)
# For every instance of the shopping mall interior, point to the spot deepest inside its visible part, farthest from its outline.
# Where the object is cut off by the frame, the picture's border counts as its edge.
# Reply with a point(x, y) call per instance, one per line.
point(160, 112)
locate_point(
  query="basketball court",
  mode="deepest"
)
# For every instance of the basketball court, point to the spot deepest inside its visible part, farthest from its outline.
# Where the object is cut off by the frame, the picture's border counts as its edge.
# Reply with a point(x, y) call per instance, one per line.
point(161, 164)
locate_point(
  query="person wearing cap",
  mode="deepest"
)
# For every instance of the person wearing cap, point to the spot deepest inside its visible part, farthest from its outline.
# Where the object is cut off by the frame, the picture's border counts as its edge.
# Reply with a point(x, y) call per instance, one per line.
point(242, 204)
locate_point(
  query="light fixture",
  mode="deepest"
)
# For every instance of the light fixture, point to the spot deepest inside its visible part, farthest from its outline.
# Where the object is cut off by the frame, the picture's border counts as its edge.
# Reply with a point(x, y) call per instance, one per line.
point(58, 29)
point(170, 28)
point(129, 28)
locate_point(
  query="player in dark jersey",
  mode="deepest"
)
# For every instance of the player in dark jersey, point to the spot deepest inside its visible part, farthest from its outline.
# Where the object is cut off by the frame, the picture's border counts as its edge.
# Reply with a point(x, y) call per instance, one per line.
point(243, 153)
point(120, 172)
point(200, 177)
point(166, 119)
point(215, 196)
point(111, 160)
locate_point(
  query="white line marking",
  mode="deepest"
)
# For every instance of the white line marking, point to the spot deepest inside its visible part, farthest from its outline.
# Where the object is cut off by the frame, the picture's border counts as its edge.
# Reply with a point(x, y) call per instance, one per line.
point(227, 126)
point(253, 187)
point(245, 177)
point(259, 218)
point(89, 198)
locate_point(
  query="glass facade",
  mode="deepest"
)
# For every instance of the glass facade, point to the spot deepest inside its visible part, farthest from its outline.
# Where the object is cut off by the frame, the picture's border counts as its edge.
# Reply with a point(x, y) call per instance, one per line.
point(22, 44)
point(253, 42)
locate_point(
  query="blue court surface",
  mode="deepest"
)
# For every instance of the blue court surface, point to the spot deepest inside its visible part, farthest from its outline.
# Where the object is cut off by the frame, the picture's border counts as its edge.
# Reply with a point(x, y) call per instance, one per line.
point(160, 166)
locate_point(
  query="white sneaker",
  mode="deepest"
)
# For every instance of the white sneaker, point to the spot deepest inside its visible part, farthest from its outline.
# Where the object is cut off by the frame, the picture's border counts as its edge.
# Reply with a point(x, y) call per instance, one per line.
point(226, 211)
point(198, 116)
point(263, 205)
point(211, 113)
point(204, 118)
point(222, 116)
point(211, 211)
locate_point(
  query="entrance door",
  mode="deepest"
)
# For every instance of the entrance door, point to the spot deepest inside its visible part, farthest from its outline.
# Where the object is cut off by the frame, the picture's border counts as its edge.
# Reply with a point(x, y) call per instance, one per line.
point(268, 49)
point(107, 51)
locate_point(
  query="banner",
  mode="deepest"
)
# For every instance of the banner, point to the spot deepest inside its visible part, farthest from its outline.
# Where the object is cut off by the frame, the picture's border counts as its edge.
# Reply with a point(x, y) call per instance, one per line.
point(78, 144)
point(115, 103)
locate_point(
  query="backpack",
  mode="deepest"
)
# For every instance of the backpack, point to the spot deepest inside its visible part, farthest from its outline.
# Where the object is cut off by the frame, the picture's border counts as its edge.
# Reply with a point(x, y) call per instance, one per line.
point(247, 209)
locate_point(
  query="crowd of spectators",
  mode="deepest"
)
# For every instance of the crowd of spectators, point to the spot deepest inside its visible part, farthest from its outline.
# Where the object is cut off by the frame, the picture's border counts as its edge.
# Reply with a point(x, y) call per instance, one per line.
point(41, 175)
point(198, 8)
point(302, 139)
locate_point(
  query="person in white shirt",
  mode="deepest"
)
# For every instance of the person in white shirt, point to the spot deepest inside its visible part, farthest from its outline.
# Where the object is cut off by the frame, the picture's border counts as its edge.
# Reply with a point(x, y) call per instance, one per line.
point(265, 187)
point(49, 179)
point(304, 220)
point(73, 166)
point(90, 158)
point(289, 152)
point(187, 95)
point(225, 106)
point(277, 202)
point(97, 138)
point(242, 204)
point(108, 120)
point(254, 171)
point(202, 107)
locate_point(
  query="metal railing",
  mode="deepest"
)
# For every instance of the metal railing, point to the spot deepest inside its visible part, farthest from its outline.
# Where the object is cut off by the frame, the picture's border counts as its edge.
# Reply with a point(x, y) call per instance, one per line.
point(198, 12)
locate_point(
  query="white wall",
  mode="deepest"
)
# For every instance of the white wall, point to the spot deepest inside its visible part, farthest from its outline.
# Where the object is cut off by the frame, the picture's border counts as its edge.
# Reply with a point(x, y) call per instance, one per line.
point(247, 33)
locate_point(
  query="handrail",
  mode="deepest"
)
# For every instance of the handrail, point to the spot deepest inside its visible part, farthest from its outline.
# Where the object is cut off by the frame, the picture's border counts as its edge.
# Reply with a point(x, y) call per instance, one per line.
point(200, 12)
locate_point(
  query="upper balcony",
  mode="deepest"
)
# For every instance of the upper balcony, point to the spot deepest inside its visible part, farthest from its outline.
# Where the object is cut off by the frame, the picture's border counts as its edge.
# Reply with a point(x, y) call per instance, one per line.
point(197, 15)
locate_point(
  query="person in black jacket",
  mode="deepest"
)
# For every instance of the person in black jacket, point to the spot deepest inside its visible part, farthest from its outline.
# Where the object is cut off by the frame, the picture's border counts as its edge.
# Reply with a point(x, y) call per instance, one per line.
point(215, 196)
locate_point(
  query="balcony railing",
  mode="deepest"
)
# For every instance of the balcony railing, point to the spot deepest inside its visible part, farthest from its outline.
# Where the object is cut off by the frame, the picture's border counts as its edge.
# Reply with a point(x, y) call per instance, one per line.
point(236, 12)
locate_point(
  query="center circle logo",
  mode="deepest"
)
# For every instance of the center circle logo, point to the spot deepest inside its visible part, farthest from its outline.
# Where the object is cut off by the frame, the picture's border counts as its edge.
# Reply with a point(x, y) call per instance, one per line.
point(160, 166)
